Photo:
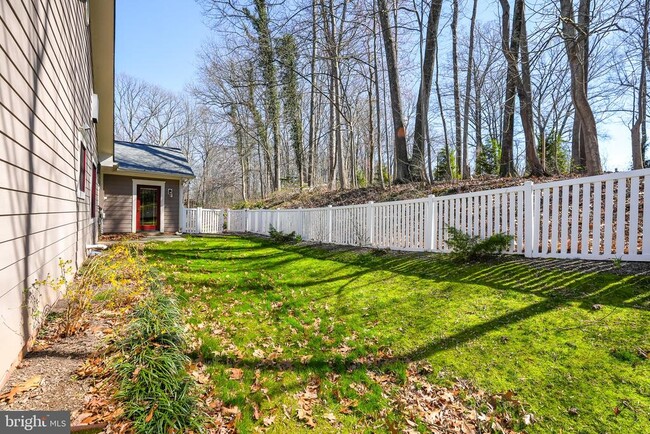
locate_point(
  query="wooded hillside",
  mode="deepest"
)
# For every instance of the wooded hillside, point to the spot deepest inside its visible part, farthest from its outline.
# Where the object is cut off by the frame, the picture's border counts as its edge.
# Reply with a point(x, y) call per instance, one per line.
point(336, 95)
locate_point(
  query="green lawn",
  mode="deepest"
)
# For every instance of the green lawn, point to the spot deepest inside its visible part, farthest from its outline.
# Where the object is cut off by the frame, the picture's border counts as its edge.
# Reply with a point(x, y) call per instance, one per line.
point(296, 319)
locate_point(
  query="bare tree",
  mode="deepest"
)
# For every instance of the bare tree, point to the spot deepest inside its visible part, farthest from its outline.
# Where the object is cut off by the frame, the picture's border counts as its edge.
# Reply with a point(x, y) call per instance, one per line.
point(418, 171)
point(576, 40)
point(401, 151)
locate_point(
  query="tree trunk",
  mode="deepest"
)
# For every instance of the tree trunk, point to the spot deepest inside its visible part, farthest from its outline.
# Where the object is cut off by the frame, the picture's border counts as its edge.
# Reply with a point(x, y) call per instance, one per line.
point(457, 124)
point(380, 168)
point(401, 152)
point(468, 89)
point(638, 136)
point(311, 166)
point(422, 106)
point(534, 167)
point(510, 50)
point(477, 117)
point(370, 173)
point(576, 43)
point(444, 121)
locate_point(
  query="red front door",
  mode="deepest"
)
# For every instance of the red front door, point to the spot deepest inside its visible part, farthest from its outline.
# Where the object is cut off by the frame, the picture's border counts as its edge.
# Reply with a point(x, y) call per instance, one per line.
point(148, 208)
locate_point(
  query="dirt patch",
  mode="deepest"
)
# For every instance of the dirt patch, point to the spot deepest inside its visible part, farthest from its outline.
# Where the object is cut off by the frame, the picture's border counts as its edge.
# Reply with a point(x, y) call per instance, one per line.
point(55, 361)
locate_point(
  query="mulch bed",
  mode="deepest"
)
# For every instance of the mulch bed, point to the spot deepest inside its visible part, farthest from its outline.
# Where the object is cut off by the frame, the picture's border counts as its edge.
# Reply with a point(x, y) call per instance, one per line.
point(55, 374)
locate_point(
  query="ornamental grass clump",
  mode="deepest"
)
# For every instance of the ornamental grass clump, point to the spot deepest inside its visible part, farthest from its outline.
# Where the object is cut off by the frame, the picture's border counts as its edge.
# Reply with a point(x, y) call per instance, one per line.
point(154, 385)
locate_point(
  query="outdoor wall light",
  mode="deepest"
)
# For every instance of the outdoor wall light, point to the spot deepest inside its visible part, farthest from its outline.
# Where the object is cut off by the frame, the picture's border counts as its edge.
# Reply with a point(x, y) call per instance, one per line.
point(170, 192)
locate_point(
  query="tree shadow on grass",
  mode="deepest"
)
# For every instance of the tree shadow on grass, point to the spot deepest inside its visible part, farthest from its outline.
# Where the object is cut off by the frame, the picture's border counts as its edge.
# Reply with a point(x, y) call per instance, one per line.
point(347, 364)
point(543, 278)
point(556, 284)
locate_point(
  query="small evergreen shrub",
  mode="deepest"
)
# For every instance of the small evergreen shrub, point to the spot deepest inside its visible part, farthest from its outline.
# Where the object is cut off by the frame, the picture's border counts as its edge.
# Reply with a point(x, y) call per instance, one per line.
point(465, 247)
point(281, 237)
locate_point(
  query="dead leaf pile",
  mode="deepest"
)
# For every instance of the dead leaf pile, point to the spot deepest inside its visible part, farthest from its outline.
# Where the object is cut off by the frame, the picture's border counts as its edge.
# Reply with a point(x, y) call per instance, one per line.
point(445, 410)
point(222, 419)
point(100, 407)
point(306, 401)
point(93, 367)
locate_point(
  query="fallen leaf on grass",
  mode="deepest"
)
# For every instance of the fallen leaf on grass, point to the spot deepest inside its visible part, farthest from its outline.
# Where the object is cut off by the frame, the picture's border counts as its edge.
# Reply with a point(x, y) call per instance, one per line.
point(573, 411)
point(268, 421)
point(330, 417)
point(305, 359)
point(305, 416)
point(150, 415)
point(25, 386)
point(231, 410)
point(347, 405)
point(236, 373)
point(258, 353)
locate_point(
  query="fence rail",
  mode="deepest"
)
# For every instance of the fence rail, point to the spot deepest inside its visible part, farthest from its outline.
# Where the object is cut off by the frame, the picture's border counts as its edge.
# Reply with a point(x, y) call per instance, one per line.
point(599, 217)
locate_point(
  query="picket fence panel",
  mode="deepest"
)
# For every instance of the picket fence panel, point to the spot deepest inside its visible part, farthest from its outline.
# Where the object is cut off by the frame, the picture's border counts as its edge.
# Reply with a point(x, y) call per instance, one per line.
point(598, 218)
point(202, 221)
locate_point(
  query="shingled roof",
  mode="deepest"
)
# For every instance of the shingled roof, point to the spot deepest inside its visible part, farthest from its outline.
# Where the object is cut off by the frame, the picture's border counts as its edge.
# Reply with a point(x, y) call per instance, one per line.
point(138, 157)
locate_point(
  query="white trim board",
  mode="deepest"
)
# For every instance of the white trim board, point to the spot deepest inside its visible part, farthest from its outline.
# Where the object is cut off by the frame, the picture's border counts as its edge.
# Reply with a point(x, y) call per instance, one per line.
point(160, 184)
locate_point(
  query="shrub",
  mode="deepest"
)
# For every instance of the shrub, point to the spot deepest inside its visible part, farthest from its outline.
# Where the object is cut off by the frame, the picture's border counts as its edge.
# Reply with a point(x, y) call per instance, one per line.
point(281, 237)
point(157, 391)
point(466, 247)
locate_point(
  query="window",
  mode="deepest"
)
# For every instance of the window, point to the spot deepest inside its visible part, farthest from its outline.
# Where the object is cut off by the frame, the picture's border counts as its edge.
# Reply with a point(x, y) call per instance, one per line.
point(82, 168)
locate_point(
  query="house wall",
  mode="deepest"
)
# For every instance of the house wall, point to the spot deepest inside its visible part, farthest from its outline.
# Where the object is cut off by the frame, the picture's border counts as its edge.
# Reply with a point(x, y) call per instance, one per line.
point(118, 203)
point(45, 89)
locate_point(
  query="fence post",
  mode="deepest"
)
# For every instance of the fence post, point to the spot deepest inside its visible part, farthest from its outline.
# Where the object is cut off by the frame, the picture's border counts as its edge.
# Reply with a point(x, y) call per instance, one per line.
point(246, 220)
point(300, 222)
point(228, 220)
point(370, 220)
point(329, 223)
point(429, 221)
point(181, 224)
point(276, 220)
point(529, 218)
point(199, 220)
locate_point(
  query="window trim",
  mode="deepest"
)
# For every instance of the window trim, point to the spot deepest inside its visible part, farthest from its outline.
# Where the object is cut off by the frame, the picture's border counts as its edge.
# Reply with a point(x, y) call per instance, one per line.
point(82, 168)
point(93, 189)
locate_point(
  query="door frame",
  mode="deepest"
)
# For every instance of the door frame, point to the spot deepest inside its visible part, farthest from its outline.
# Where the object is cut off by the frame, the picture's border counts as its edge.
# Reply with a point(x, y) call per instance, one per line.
point(138, 209)
point(134, 209)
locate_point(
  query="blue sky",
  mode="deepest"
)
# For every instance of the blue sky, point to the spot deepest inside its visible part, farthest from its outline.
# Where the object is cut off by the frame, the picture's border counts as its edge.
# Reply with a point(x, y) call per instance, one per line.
point(157, 40)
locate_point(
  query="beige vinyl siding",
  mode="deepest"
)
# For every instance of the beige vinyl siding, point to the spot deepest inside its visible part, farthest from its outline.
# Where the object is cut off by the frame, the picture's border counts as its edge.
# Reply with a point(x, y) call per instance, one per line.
point(45, 88)
point(171, 206)
point(118, 203)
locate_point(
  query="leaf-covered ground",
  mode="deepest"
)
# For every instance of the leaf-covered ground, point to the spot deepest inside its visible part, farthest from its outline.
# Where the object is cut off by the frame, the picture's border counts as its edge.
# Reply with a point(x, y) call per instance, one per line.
point(304, 338)
point(321, 196)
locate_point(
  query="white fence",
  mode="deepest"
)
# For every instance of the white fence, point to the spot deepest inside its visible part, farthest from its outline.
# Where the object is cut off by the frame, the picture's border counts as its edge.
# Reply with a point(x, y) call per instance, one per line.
point(202, 221)
point(599, 217)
